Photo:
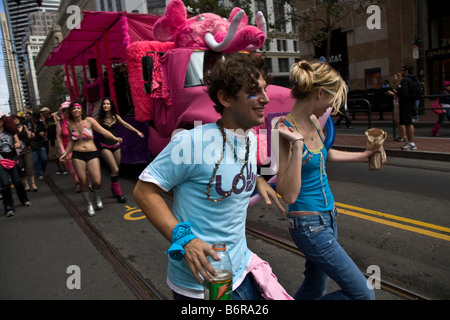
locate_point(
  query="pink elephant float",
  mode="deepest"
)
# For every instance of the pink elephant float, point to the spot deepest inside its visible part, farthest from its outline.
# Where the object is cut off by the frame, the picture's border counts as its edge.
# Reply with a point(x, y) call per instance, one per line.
point(210, 31)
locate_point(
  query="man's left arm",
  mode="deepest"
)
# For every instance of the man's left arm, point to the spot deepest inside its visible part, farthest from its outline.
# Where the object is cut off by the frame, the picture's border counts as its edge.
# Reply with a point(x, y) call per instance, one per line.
point(266, 192)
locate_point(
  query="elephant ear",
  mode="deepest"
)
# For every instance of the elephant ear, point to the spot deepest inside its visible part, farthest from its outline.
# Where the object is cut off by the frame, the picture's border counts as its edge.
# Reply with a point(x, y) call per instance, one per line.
point(244, 20)
point(166, 27)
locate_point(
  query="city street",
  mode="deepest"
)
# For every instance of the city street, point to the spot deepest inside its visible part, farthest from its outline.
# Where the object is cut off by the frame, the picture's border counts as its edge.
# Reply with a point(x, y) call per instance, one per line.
point(38, 244)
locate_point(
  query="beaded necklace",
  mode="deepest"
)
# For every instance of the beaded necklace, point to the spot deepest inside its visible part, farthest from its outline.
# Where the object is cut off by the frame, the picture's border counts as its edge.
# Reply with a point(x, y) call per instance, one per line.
point(247, 152)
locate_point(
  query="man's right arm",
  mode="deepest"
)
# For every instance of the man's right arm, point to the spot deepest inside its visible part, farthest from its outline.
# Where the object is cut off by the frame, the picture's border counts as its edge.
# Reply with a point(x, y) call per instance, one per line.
point(149, 199)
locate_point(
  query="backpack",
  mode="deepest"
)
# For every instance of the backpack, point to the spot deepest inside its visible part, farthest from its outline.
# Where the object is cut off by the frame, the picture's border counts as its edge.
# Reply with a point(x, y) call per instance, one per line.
point(415, 90)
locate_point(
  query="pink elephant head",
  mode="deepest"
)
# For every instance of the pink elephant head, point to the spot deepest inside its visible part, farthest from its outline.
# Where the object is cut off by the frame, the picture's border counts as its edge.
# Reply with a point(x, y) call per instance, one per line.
point(208, 30)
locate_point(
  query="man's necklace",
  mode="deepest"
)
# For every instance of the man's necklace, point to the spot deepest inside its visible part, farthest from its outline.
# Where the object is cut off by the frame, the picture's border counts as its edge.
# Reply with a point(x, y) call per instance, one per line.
point(224, 136)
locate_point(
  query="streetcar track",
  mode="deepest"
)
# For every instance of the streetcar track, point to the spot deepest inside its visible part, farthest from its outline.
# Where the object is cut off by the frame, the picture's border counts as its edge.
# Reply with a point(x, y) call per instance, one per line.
point(290, 246)
point(140, 286)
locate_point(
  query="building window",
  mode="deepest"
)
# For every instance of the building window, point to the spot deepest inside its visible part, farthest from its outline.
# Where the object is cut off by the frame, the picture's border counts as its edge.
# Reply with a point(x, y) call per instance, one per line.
point(280, 19)
point(269, 64)
point(283, 64)
point(282, 45)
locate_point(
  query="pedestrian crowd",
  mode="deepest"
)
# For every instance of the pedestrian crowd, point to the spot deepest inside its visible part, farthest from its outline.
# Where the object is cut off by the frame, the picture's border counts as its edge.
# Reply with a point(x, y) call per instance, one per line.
point(30, 141)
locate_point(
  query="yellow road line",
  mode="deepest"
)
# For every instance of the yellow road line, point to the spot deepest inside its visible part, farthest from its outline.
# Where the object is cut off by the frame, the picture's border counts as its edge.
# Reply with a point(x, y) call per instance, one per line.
point(397, 225)
point(390, 216)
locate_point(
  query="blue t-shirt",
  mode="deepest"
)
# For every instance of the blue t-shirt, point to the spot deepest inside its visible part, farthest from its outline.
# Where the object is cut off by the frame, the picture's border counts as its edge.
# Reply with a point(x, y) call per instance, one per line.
point(186, 165)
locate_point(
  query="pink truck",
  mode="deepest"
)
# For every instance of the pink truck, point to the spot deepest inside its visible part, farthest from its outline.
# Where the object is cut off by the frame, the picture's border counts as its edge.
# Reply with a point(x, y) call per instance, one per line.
point(188, 104)
point(166, 75)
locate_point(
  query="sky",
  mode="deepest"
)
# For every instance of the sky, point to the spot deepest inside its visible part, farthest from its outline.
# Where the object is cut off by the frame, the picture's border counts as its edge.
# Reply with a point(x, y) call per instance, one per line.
point(4, 94)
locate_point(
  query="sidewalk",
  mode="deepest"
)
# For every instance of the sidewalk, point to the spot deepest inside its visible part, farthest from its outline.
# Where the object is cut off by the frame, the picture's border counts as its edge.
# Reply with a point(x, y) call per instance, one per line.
point(429, 148)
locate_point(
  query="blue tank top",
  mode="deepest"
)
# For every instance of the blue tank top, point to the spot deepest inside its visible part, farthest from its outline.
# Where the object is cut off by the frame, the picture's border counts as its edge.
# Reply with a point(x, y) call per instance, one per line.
point(315, 194)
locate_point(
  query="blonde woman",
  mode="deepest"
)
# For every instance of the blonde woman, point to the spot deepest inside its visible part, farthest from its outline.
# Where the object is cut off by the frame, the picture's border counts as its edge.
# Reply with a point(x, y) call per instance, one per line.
point(396, 80)
point(302, 182)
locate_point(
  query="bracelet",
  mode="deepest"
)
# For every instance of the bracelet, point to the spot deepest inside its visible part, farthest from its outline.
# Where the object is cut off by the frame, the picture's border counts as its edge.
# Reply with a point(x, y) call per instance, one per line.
point(181, 236)
point(302, 139)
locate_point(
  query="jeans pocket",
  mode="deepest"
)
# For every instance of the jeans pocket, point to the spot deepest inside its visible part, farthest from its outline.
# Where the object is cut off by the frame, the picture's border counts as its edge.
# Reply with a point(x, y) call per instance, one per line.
point(315, 228)
point(312, 236)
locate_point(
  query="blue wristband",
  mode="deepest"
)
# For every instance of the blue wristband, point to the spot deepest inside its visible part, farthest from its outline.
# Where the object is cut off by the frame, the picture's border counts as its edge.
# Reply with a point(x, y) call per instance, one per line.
point(181, 236)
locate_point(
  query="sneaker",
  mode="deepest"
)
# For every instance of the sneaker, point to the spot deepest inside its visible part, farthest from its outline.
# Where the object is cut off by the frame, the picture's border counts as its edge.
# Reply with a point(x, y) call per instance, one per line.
point(58, 172)
point(27, 203)
point(64, 172)
point(409, 146)
point(10, 213)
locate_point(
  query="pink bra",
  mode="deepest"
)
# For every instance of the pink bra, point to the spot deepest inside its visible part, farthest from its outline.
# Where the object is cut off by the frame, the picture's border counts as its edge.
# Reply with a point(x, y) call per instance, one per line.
point(85, 135)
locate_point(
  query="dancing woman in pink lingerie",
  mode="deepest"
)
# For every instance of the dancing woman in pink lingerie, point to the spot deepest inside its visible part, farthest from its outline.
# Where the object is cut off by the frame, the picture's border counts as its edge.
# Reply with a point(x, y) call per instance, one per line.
point(84, 152)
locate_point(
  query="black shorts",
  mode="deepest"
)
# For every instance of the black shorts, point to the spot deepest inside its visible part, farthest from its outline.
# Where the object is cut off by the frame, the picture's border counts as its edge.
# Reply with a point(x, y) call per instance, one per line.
point(85, 156)
point(406, 115)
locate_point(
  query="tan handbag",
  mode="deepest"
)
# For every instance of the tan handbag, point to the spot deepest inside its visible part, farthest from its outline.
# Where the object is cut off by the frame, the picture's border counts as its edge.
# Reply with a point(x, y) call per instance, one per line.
point(375, 140)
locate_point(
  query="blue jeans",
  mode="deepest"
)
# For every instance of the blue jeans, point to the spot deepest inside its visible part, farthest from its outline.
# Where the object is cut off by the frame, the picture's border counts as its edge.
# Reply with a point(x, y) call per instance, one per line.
point(316, 237)
point(247, 290)
point(40, 161)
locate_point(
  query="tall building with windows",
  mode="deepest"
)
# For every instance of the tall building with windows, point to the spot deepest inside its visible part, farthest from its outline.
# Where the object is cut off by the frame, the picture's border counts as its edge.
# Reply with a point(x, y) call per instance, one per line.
point(139, 6)
point(17, 13)
point(282, 49)
point(10, 64)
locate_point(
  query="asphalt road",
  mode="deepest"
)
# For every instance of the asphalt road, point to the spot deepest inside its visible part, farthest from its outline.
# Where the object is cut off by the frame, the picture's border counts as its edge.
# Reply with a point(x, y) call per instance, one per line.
point(39, 243)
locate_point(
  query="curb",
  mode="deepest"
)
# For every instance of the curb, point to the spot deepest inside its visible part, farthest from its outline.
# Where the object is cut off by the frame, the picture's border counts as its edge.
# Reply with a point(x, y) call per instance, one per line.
point(413, 154)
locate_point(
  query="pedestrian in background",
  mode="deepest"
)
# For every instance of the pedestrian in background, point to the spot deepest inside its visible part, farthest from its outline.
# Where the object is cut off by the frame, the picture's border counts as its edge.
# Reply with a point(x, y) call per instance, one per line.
point(38, 134)
point(396, 80)
point(407, 107)
point(303, 183)
point(9, 169)
point(445, 102)
point(50, 139)
point(25, 155)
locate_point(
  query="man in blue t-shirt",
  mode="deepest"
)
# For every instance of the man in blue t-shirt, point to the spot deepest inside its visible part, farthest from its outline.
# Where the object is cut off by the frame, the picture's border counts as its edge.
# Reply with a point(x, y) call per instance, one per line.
point(212, 172)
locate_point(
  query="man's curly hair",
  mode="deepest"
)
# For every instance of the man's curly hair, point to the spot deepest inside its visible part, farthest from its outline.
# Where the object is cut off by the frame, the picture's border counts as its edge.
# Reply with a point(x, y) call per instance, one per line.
point(236, 71)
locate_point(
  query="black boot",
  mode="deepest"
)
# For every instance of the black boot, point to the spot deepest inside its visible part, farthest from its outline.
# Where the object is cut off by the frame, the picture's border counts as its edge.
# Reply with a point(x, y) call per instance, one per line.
point(22, 194)
point(8, 202)
point(115, 189)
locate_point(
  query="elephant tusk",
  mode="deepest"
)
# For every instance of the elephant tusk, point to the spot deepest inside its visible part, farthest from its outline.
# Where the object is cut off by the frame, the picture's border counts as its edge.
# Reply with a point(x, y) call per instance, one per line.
point(231, 34)
point(261, 23)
